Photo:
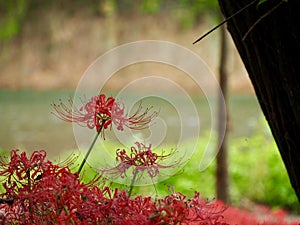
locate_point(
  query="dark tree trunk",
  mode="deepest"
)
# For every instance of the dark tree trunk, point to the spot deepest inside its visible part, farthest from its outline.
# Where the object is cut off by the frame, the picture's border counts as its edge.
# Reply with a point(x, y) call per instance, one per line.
point(271, 55)
point(222, 183)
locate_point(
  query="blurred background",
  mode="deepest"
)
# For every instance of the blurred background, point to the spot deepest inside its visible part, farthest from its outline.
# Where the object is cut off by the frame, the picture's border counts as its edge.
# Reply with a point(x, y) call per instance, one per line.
point(46, 46)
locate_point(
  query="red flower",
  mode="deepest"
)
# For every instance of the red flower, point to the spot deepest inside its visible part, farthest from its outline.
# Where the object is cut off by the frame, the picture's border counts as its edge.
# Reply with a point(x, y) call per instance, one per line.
point(179, 210)
point(141, 158)
point(99, 111)
point(92, 114)
point(39, 192)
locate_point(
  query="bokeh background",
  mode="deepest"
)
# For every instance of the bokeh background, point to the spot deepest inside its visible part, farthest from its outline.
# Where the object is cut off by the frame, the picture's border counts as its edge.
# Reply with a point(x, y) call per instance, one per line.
point(46, 46)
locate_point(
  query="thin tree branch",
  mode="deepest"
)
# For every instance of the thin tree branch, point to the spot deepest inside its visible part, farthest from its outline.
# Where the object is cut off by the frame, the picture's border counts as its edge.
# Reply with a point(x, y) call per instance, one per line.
point(261, 18)
point(224, 21)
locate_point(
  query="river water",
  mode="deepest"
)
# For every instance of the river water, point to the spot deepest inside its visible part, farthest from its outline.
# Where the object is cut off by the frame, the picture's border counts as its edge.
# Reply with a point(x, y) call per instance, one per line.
point(27, 123)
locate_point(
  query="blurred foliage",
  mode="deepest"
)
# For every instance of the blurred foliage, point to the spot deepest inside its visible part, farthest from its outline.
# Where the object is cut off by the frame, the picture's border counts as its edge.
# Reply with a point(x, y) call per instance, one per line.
point(193, 11)
point(150, 6)
point(256, 172)
point(13, 13)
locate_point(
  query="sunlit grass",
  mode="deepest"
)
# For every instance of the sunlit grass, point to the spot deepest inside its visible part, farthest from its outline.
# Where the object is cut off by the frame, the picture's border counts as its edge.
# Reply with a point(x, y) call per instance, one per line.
point(256, 172)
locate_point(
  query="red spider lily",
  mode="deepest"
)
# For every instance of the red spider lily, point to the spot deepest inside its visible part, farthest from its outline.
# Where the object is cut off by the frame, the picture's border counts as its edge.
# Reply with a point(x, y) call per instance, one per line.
point(99, 111)
point(39, 192)
point(178, 210)
point(140, 158)
point(92, 114)
point(35, 191)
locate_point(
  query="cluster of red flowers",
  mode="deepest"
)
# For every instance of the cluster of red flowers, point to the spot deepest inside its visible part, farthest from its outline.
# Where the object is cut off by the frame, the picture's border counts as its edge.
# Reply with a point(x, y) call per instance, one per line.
point(262, 216)
point(39, 192)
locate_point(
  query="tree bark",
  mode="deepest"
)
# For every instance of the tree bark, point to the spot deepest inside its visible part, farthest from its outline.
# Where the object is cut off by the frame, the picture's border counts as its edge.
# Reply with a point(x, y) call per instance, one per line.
point(222, 181)
point(270, 53)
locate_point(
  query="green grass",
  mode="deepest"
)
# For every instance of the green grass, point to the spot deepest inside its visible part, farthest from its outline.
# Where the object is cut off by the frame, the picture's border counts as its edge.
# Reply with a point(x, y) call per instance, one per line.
point(256, 172)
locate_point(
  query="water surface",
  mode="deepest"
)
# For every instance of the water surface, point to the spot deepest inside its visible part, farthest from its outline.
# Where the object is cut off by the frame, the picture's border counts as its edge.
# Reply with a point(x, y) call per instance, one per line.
point(27, 123)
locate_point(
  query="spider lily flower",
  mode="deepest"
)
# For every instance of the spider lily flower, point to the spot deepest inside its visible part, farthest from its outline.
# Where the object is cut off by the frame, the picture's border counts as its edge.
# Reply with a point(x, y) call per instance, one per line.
point(92, 113)
point(140, 158)
point(36, 191)
point(100, 111)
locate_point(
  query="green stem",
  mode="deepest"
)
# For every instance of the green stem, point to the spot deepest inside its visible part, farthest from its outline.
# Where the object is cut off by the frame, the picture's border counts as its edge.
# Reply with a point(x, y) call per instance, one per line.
point(91, 147)
point(132, 182)
point(68, 213)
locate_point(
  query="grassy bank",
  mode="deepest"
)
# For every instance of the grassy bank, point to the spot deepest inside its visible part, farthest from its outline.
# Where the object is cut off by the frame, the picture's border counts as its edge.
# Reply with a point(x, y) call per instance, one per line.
point(257, 174)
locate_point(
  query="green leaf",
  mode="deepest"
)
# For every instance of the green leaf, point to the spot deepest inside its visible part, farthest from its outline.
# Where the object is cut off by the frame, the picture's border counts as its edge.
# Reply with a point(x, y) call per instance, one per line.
point(262, 1)
point(9, 28)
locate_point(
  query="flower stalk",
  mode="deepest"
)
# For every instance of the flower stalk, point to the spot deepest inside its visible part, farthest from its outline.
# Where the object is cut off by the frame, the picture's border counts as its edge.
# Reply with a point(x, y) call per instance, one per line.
point(90, 148)
point(135, 172)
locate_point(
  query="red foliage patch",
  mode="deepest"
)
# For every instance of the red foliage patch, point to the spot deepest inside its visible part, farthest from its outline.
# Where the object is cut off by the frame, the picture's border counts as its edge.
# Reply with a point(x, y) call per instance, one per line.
point(39, 192)
point(259, 215)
